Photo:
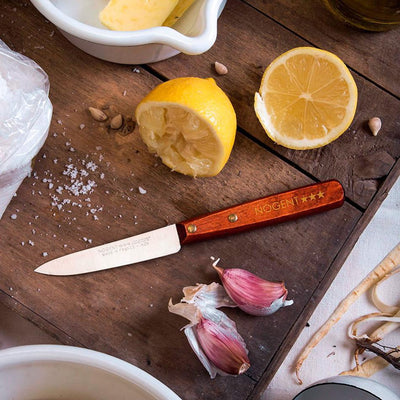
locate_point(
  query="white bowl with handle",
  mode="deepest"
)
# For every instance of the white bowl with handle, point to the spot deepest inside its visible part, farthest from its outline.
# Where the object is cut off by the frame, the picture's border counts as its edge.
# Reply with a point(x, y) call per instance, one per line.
point(194, 33)
point(65, 372)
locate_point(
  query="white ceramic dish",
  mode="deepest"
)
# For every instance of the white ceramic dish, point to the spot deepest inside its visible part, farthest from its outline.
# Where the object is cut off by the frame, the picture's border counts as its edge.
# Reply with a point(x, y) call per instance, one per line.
point(54, 372)
point(347, 387)
point(194, 33)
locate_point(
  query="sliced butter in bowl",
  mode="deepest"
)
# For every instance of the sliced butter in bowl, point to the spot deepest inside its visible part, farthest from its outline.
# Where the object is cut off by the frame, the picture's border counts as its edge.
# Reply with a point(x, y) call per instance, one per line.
point(133, 15)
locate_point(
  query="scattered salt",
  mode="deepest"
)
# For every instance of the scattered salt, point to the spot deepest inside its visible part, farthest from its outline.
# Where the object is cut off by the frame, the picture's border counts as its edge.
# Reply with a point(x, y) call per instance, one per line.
point(142, 191)
point(44, 254)
point(13, 216)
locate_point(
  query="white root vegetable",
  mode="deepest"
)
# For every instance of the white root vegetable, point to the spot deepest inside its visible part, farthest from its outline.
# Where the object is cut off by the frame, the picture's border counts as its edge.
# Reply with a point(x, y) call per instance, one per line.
point(385, 329)
point(369, 367)
point(379, 304)
point(378, 334)
point(390, 262)
point(375, 364)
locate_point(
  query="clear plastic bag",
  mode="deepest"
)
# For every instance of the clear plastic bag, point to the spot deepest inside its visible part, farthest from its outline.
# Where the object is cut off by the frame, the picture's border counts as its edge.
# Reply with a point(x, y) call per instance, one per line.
point(25, 115)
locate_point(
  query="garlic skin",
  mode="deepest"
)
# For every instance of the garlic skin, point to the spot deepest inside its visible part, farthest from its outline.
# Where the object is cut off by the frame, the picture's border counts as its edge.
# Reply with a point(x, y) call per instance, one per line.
point(205, 296)
point(252, 294)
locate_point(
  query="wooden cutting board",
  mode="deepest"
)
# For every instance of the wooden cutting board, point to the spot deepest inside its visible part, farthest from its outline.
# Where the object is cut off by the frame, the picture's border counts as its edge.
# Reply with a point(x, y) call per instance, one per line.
point(123, 312)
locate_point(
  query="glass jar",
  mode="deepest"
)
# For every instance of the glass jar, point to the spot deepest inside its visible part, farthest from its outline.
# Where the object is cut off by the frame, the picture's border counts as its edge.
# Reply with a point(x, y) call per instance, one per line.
point(372, 15)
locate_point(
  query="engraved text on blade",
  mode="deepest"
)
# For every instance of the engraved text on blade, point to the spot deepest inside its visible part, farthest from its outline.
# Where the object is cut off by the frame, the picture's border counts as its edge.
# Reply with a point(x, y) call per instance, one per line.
point(117, 248)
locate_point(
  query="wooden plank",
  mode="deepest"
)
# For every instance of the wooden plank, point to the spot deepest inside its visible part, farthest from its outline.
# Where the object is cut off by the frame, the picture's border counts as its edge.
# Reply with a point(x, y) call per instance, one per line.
point(374, 55)
point(247, 42)
point(17, 320)
point(123, 311)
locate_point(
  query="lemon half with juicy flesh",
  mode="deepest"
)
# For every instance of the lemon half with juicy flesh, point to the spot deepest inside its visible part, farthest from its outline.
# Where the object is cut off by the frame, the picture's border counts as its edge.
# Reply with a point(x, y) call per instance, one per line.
point(307, 98)
point(190, 123)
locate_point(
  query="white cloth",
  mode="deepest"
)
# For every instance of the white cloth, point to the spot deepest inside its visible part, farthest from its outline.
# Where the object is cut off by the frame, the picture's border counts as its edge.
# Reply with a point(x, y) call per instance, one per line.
point(334, 353)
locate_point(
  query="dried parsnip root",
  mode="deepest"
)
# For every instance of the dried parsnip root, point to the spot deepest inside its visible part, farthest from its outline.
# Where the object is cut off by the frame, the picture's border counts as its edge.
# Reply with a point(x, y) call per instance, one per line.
point(390, 262)
point(373, 365)
point(379, 304)
point(378, 334)
point(368, 368)
point(385, 329)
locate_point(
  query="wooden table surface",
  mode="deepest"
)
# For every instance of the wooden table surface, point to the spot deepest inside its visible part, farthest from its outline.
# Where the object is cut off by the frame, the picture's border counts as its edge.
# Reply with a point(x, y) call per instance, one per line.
point(123, 311)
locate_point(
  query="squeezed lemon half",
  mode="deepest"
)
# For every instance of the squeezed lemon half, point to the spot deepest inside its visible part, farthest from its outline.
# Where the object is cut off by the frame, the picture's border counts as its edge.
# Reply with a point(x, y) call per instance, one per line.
point(190, 123)
point(307, 98)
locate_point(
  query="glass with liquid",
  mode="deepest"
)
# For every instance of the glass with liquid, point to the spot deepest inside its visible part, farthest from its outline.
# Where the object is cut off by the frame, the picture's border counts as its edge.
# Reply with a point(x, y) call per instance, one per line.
point(372, 15)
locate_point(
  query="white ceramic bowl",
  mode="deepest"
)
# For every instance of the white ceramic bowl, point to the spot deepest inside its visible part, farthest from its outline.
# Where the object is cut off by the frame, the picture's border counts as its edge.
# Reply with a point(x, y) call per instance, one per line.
point(65, 372)
point(194, 33)
point(347, 387)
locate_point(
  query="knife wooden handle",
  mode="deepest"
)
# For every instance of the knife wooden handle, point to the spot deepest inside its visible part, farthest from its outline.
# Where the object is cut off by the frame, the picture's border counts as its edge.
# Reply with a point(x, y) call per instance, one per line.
point(268, 210)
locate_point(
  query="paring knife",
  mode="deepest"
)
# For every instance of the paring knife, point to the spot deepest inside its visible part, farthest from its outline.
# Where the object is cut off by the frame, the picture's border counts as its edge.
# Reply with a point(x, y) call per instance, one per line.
point(268, 210)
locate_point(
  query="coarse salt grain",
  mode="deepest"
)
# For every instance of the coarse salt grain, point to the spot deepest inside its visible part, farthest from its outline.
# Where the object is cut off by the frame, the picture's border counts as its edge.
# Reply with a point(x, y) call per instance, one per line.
point(142, 191)
point(13, 216)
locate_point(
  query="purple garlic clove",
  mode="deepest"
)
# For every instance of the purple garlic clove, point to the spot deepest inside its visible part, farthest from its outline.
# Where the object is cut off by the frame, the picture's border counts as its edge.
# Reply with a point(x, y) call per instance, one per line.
point(252, 294)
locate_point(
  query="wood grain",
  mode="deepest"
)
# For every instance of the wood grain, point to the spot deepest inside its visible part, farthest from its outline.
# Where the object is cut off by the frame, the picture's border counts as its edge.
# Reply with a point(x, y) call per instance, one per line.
point(247, 42)
point(374, 55)
point(123, 311)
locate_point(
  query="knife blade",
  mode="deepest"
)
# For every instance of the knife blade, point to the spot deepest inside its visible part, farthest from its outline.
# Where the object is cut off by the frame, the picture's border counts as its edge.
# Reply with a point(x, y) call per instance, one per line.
point(168, 240)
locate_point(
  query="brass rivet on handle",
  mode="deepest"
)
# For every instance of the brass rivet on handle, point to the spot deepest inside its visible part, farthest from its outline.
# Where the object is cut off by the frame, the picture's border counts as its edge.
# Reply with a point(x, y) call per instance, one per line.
point(232, 217)
point(192, 228)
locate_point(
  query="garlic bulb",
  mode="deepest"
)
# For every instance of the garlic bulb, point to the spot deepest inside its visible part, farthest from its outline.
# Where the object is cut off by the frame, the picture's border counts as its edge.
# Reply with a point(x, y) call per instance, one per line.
point(252, 294)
